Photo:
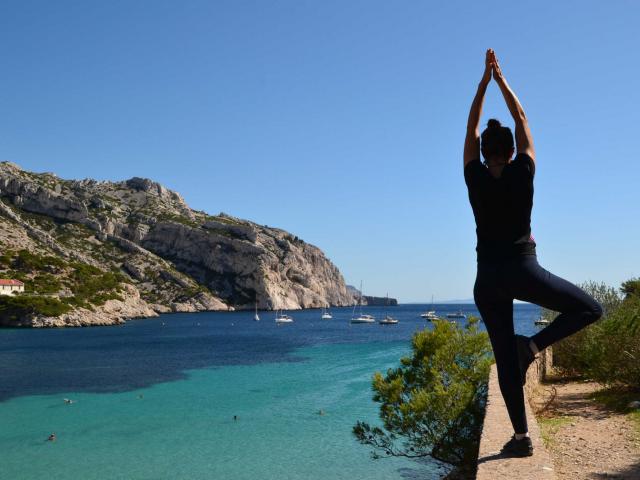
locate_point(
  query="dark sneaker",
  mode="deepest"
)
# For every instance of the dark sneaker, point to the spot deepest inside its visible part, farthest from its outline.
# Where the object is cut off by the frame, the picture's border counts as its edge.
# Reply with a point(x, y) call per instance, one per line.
point(517, 448)
point(525, 356)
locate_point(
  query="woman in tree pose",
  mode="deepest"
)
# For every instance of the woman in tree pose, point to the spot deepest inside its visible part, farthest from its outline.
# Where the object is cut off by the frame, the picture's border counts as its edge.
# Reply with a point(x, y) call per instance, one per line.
point(501, 196)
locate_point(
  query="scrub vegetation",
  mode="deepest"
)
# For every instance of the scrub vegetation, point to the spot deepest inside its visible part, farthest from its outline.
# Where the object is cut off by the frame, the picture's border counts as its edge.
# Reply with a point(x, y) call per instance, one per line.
point(607, 351)
point(433, 403)
point(54, 286)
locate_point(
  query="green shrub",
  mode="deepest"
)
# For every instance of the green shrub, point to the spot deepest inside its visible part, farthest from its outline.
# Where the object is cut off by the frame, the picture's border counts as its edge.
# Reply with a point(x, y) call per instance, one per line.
point(100, 298)
point(572, 355)
point(614, 351)
point(5, 258)
point(13, 309)
point(29, 262)
point(45, 283)
point(90, 285)
point(433, 404)
point(631, 288)
point(44, 274)
point(607, 351)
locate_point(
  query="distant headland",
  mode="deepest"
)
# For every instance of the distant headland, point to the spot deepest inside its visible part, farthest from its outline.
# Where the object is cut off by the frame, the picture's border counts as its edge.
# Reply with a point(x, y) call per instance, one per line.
point(371, 300)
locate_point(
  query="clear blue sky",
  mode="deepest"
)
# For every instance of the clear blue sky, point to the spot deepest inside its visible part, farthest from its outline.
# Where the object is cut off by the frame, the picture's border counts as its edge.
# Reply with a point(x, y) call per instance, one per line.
point(340, 121)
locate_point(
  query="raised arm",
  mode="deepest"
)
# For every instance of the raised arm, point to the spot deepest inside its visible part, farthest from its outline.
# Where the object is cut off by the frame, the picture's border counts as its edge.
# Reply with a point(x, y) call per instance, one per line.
point(472, 140)
point(524, 139)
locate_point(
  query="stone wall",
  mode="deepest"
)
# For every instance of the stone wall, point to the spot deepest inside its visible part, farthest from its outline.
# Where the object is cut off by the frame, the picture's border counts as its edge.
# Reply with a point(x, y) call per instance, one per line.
point(497, 430)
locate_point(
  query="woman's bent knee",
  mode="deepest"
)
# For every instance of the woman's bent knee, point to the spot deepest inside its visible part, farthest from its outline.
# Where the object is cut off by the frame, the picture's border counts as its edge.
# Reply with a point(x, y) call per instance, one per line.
point(592, 311)
point(595, 311)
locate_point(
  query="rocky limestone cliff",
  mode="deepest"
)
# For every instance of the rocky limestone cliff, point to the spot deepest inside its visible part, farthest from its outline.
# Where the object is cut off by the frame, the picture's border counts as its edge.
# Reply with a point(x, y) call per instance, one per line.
point(171, 258)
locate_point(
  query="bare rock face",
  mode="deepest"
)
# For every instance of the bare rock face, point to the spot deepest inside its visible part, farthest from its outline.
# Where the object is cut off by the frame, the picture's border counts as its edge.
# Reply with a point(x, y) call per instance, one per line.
point(36, 198)
point(176, 258)
point(278, 270)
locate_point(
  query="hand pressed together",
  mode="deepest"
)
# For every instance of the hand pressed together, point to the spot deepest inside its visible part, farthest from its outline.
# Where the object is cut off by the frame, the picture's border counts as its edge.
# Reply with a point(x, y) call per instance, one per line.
point(491, 67)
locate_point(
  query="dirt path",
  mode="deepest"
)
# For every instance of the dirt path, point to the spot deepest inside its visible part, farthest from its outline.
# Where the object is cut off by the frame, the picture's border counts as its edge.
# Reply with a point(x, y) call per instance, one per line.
point(585, 439)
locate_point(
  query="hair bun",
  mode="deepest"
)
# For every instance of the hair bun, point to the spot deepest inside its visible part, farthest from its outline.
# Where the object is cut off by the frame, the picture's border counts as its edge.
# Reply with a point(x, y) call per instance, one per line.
point(493, 123)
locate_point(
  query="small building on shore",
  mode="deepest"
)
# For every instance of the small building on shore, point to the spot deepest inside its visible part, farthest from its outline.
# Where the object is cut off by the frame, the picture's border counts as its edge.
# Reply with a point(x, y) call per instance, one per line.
point(9, 286)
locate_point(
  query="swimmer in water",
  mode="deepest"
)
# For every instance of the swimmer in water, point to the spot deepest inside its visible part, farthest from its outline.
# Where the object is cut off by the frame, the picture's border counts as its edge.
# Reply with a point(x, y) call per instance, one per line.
point(52, 438)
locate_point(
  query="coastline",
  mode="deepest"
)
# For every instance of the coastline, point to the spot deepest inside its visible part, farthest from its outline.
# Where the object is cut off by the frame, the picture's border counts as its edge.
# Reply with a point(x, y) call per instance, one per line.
point(118, 312)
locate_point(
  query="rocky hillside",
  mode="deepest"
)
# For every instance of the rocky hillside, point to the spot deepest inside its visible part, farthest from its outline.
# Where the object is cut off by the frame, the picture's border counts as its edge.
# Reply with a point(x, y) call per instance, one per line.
point(95, 252)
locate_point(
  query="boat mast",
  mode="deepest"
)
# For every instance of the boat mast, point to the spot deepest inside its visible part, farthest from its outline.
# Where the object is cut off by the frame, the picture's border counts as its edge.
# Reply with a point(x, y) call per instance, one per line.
point(353, 314)
point(386, 306)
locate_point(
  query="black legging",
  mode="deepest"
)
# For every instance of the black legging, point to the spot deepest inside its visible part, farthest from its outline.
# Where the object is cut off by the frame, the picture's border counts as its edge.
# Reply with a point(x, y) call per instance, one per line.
point(497, 285)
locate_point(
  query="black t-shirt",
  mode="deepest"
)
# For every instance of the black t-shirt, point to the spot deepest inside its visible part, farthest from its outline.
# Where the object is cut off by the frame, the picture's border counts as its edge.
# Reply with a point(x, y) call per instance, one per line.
point(502, 208)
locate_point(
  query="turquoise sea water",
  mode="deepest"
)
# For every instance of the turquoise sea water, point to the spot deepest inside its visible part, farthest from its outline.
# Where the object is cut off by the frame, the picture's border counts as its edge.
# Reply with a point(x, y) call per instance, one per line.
point(140, 412)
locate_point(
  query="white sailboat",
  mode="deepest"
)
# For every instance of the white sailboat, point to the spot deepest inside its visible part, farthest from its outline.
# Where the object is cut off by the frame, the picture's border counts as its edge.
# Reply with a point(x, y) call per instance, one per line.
point(283, 318)
point(388, 319)
point(431, 314)
point(326, 315)
point(362, 317)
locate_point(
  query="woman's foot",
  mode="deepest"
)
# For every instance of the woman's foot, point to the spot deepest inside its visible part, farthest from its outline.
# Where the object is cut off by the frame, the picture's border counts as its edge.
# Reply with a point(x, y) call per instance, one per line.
point(525, 356)
point(517, 448)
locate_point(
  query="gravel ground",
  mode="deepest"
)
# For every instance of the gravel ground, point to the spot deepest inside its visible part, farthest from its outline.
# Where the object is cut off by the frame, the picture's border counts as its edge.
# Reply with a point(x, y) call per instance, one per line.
point(587, 440)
